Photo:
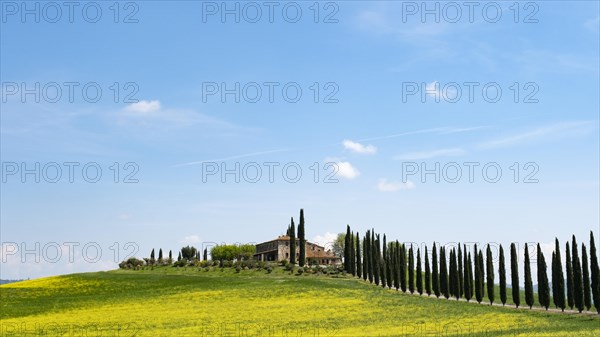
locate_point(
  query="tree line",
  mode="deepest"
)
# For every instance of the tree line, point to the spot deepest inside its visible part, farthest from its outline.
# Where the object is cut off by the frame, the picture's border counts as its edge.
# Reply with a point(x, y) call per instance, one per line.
point(460, 273)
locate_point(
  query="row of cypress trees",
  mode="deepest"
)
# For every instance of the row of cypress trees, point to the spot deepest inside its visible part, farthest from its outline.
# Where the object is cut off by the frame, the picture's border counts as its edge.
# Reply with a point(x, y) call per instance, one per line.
point(458, 273)
point(291, 232)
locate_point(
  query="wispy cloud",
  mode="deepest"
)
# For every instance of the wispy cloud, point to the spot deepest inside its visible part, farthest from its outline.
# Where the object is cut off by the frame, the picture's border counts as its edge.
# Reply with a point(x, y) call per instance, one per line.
point(439, 130)
point(558, 130)
point(430, 154)
point(144, 107)
point(238, 156)
point(384, 186)
point(358, 147)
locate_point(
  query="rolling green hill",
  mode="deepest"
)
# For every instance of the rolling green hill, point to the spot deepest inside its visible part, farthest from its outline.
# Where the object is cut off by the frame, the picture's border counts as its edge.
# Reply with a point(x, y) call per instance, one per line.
point(170, 301)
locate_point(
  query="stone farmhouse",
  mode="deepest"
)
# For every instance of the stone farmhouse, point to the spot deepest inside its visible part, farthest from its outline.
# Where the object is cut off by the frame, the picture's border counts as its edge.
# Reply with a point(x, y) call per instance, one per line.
point(279, 249)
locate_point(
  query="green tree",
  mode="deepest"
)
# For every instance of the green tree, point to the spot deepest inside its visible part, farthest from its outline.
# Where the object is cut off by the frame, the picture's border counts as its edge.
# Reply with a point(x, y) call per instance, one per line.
point(369, 254)
point(411, 270)
point(302, 240)
point(468, 277)
point(528, 282)
point(358, 257)
point(205, 255)
point(444, 273)
point(502, 276)
point(478, 277)
point(347, 249)
point(435, 280)
point(587, 296)
point(338, 245)
point(403, 268)
point(396, 256)
point(455, 274)
point(376, 259)
point(595, 273)
point(514, 275)
point(577, 277)
point(152, 256)
point(427, 274)
point(188, 253)
point(160, 255)
point(543, 286)
point(389, 264)
point(570, 287)
point(384, 263)
point(460, 272)
point(292, 235)
point(170, 257)
point(419, 273)
point(179, 257)
point(490, 274)
point(558, 279)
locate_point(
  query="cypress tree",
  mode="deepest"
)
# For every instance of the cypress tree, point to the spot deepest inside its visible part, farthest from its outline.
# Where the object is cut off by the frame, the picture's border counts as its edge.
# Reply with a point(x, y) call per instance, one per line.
point(352, 255)
point(292, 235)
point(403, 267)
point(389, 264)
point(205, 254)
point(419, 273)
point(372, 266)
point(595, 273)
point(365, 274)
point(396, 257)
point(502, 276)
point(435, 280)
point(478, 277)
point(347, 250)
point(152, 255)
point(302, 240)
point(543, 287)
point(358, 259)
point(179, 257)
point(528, 282)
point(444, 273)
point(160, 254)
point(384, 263)
point(558, 279)
point(570, 288)
point(455, 275)
point(170, 256)
point(468, 277)
point(451, 274)
point(376, 260)
point(587, 296)
point(411, 270)
point(369, 254)
point(460, 272)
point(577, 277)
point(427, 274)
point(490, 274)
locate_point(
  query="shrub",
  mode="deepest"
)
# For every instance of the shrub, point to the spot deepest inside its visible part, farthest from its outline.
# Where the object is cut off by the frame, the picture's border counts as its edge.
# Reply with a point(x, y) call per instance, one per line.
point(131, 263)
point(269, 270)
point(300, 271)
point(283, 262)
point(238, 269)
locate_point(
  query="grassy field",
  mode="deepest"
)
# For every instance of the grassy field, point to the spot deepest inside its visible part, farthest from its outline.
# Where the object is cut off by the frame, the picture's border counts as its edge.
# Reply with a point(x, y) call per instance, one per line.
point(187, 302)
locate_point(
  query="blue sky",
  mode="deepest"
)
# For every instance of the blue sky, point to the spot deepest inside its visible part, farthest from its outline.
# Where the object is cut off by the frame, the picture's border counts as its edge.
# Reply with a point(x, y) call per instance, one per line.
point(370, 127)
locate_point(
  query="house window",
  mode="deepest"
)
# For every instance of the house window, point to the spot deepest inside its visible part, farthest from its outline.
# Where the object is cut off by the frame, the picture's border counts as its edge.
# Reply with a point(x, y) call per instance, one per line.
point(286, 255)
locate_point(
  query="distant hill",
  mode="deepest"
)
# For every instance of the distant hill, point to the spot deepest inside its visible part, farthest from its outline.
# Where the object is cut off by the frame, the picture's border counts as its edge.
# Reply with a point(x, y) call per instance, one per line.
point(9, 281)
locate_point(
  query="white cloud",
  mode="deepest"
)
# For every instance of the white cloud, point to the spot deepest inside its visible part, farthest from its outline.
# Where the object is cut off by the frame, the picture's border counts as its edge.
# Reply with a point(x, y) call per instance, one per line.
point(346, 170)
point(430, 154)
point(358, 147)
point(190, 240)
point(325, 240)
point(385, 186)
point(144, 107)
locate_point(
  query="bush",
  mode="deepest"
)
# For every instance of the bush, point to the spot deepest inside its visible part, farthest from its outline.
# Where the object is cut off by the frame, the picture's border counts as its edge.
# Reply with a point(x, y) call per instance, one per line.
point(131, 263)
point(238, 269)
point(269, 270)
point(283, 262)
point(180, 263)
point(300, 271)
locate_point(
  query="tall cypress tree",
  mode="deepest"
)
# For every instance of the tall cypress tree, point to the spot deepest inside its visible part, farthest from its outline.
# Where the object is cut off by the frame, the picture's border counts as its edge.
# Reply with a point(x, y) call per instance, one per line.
point(587, 296)
point(570, 288)
point(419, 273)
point(411, 270)
point(435, 280)
point(367, 250)
point(170, 256)
point(205, 257)
point(376, 259)
point(302, 240)
point(152, 255)
point(595, 273)
point(373, 256)
point(558, 279)
point(403, 267)
point(384, 263)
point(352, 254)
point(490, 274)
point(514, 275)
point(543, 287)
point(358, 259)
point(455, 275)
point(347, 250)
point(502, 276)
point(478, 277)
point(460, 272)
point(577, 277)
point(451, 273)
point(528, 282)
point(427, 274)
point(160, 254)
point(396, 263)
point(389, 264)
point(292, 234)
point(466, 289)
point(468, 277)
point(444, 273)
